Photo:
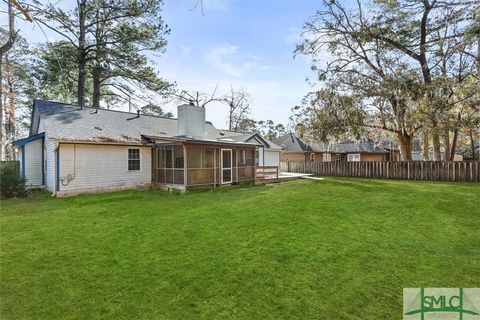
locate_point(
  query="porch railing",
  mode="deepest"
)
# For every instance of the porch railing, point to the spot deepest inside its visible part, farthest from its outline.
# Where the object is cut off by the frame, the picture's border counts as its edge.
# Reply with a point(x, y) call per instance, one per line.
point(267, 172)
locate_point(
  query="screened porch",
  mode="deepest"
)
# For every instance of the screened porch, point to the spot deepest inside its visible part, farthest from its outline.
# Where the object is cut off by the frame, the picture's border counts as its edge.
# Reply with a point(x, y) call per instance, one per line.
point(188, 165)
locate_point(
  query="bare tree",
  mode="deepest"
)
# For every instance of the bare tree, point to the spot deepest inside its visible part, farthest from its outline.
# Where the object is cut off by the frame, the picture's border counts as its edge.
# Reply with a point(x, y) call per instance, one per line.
point(196, 98)
point(4, 48)
point(238, 102)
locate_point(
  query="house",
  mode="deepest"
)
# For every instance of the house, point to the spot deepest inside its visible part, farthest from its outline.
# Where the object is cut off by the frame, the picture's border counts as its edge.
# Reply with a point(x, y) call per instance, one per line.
point(295, 149)
point(417, 153)
point(268, 154)
point(72, 150)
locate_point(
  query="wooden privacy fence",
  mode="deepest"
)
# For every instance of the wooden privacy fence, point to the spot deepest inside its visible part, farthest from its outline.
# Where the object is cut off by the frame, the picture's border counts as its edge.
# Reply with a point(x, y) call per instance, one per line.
point(468, 171)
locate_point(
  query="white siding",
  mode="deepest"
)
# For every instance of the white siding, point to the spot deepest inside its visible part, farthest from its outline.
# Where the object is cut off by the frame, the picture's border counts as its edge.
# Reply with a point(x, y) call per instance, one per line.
point(100, 167)
point(272, 158)
point(50, 146)
point(33, 162)
point(20, 159)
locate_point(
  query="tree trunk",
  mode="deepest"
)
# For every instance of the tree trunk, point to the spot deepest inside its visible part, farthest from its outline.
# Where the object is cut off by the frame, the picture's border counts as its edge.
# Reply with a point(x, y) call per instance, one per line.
point(437, 156)
point(405, 145)
point(436, 147)
point(425, 145)
point(9, 110)
point(446, 142)
point(96, 88)
point(81, 54)
point(472, 144)
point(454, 145)
point(3, 49)
point(2, 136)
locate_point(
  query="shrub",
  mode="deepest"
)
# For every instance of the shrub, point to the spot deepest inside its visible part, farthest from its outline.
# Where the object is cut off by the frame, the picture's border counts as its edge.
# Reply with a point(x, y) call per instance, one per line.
point(11, 183)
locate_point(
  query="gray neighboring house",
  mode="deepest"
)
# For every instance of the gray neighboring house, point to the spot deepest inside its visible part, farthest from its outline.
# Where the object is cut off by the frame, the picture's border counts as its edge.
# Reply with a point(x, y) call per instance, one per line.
point(72, 150)
point(295, 149)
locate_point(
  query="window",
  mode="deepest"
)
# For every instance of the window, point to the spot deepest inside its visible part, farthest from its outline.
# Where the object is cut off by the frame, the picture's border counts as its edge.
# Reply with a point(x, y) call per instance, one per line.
point(312, 156)
point(355, 157)
point(327, 157)
point(133, 159)
point(257, 157)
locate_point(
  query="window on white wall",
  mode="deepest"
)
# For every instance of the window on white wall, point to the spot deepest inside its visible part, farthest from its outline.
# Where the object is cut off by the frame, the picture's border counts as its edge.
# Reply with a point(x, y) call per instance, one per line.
point(133, 159)
point(354, 157)
point(327, 157)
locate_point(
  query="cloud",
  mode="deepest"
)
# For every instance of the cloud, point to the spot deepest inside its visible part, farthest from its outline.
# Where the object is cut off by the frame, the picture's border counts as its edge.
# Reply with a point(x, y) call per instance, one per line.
point(218, 57)
point(185, 50)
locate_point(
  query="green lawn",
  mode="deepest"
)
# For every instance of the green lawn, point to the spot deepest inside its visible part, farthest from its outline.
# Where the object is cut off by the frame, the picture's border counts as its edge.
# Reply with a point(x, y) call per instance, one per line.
point(333, 249)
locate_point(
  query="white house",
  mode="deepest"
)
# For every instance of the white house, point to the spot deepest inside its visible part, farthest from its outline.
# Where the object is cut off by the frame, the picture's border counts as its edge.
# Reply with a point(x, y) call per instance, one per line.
point(73, 150)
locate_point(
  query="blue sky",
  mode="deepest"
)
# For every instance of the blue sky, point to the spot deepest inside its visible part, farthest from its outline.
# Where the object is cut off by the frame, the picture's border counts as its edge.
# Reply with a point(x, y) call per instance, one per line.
point(244, 43)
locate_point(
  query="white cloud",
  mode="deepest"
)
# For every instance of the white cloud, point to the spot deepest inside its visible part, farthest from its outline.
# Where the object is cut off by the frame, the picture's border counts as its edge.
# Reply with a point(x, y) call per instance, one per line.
point(185, 49)
point(218, 57)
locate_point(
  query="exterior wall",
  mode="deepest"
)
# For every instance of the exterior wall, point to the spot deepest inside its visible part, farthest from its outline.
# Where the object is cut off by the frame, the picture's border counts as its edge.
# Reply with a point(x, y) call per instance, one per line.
point(261, 161)
point(372, 157)
point(86, 168)
point(300, 156)
point(272, 158)
point(20, 160)
point(50, 146)
point(41, 127)
point(33, 163)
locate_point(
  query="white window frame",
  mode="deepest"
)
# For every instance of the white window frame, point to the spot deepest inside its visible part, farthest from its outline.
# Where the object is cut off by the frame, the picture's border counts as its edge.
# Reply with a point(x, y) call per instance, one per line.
point(139, 159)
point(327, 157)
point(353, 157)
point(312, 158)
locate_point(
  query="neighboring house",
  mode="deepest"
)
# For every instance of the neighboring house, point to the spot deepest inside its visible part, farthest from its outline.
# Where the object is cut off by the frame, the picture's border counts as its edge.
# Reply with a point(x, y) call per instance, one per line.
point(294, 149)
point(297, 150)
point(268, 154)
point(73, 150)
point(417, 153)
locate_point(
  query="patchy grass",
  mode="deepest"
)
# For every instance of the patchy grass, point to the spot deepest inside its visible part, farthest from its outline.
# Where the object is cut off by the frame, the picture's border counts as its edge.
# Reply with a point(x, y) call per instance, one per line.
point(333, 249)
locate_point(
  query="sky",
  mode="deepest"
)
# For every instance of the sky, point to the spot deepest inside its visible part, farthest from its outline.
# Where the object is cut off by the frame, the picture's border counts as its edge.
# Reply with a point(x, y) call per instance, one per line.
point(248, 44)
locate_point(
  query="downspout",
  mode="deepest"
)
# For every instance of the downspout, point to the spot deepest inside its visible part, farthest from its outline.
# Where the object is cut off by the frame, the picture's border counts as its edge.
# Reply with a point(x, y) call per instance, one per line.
point(43, 161)
point(57, 169)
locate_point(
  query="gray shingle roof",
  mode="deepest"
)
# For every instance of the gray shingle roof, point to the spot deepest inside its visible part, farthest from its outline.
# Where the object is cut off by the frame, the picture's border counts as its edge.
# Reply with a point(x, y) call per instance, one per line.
point(70, 123)
point(292, 143)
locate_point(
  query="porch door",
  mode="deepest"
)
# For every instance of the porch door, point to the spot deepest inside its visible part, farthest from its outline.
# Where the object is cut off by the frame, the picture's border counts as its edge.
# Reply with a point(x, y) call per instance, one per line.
point(226, 168)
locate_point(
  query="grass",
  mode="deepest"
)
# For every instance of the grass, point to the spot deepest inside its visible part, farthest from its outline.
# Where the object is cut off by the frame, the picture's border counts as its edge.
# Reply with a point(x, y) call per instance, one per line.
point(333, 249)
